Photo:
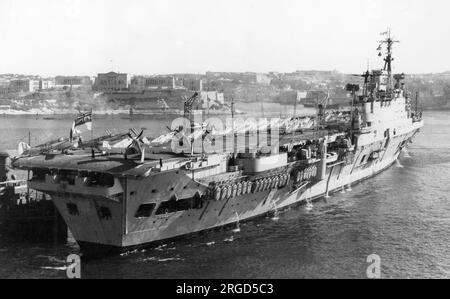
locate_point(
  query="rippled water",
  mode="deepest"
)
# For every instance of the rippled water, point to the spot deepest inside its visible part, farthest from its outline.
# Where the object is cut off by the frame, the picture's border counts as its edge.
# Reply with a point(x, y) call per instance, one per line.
point(402, 215)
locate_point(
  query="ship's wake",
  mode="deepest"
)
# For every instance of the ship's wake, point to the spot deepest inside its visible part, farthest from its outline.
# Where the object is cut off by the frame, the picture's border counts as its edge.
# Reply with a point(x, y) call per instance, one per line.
point(230, 239)
point(406, 154)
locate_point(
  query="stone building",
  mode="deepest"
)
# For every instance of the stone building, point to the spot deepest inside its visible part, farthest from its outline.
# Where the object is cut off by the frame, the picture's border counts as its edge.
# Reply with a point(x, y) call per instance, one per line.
point(112, 81)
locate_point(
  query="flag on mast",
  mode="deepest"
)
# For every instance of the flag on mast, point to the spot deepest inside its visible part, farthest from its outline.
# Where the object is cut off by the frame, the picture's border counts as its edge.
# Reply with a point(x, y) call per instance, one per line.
point(82, 123)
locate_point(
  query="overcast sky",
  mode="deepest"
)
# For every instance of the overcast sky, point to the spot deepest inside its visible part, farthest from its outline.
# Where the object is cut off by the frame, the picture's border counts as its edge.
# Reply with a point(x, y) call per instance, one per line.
point(51, 37)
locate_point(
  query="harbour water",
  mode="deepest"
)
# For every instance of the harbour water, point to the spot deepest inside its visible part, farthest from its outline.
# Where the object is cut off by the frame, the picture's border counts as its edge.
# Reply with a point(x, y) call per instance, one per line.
point(402, 215)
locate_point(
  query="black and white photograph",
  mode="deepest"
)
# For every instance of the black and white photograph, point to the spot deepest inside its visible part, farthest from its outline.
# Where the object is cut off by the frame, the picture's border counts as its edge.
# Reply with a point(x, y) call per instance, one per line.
point(218, 140)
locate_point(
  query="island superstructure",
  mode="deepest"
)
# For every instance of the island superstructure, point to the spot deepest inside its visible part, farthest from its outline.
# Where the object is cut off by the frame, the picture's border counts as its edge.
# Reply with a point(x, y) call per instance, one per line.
point(117, 200)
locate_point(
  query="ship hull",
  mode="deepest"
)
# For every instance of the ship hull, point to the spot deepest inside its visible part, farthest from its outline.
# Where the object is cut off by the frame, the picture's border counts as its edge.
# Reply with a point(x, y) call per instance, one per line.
point(123, 232)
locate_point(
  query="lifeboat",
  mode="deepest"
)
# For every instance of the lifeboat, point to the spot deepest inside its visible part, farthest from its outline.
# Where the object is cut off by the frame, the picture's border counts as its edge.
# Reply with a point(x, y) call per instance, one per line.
point(229, 191)
point(244, 187)
point(254, 187)
point(332, 157)
point(269, 184)
point(299, 176)
point(259, 185)
point(249, 187)
point(223, 193)
point(239, 189)
point(234, 190)
point(265, 184)
point(277, 182)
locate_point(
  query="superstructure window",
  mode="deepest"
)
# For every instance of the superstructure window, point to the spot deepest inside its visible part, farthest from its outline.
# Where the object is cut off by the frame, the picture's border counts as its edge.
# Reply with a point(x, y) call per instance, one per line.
point(145, 210)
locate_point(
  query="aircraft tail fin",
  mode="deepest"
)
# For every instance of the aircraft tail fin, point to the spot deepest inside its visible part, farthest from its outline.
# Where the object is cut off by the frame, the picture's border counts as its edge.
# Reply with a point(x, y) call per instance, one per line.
point(23, 148)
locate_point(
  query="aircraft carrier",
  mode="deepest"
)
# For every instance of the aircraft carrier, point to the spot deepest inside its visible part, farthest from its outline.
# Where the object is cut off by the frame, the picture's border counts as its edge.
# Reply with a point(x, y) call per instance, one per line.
point(121, 192)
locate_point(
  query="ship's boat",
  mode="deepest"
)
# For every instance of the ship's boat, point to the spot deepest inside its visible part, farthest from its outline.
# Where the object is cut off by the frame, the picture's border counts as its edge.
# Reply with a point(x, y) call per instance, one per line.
point(249, 187)
point(269, 183)
point(274, 183)
point(244, 187)
point(239, 189)
point(277, 182)
point(265, 185)
point(229, 192)
point(234, 191)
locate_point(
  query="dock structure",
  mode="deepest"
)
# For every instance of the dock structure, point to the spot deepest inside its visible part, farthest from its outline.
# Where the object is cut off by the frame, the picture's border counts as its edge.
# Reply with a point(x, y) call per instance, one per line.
point(27, 214)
